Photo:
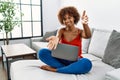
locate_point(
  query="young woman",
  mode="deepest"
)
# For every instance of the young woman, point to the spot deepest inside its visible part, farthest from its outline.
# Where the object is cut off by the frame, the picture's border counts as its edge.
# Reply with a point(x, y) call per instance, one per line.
point(70, 34)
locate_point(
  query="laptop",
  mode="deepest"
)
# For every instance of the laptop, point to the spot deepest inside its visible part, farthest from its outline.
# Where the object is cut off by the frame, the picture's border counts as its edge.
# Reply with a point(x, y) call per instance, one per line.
point(66, 52)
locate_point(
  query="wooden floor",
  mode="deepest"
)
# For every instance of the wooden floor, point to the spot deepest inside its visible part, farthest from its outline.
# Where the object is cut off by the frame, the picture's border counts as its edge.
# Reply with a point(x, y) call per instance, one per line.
point(3, 75)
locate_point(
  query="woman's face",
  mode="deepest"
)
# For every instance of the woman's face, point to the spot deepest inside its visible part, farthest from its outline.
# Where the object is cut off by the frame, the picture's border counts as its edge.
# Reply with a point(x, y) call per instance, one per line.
point(68, 20)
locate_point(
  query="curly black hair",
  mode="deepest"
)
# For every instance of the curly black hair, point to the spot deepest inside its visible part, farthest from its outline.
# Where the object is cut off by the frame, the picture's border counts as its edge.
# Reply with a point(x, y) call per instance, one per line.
point(72, 11)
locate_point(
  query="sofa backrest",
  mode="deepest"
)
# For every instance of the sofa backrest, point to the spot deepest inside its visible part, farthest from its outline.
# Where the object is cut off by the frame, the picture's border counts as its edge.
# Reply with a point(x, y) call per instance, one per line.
point(98, 42)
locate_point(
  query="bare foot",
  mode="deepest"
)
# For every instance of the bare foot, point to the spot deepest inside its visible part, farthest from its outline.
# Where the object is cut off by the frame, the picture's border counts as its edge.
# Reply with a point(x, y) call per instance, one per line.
point(46, 67)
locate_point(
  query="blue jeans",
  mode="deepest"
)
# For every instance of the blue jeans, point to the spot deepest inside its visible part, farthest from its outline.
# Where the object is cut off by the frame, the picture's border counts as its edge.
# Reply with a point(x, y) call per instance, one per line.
point(81, 66)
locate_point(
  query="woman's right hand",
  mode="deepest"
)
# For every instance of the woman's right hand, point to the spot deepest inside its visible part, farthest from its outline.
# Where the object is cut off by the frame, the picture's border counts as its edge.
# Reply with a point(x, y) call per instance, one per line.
point(53, 41)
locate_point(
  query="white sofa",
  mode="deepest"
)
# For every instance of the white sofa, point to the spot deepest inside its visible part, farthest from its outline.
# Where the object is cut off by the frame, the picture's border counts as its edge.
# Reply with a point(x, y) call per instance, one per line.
point(92, 48)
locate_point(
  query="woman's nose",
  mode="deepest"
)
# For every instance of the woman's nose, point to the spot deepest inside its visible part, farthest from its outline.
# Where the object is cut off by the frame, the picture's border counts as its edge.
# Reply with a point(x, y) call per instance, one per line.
point(67, 20)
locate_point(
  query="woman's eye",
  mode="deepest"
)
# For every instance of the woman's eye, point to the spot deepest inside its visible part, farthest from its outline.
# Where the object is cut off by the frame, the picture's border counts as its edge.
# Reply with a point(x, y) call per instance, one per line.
point(70, 17)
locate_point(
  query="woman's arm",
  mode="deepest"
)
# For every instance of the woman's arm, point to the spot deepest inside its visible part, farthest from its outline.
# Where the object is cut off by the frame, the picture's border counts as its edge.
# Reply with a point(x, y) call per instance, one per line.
point(54, 40)
point(86, 33)
point(59, 33)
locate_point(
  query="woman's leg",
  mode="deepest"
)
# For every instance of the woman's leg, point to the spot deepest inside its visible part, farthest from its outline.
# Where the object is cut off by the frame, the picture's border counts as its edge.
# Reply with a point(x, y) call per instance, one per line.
point(82, 66)
point(45, 56)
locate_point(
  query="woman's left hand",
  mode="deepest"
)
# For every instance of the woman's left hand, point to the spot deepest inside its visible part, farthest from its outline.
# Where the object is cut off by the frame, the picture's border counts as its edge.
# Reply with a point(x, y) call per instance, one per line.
point(53, 41)
point(84, 18)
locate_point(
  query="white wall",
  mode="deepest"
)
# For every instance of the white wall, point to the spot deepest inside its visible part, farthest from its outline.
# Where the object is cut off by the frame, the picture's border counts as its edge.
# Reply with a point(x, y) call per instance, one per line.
point(103, 14)
point(50, 10)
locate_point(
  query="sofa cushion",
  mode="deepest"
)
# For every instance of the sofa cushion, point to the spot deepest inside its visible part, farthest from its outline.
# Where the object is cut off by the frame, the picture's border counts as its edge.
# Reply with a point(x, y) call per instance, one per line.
point(86, 42)
point(48, 34)
point(91, 57)
point(112, 51)
point(97, 72)
point(30, 70)
point(113, 75)
point(85, 45)
point(38, 45)
point(99, 42)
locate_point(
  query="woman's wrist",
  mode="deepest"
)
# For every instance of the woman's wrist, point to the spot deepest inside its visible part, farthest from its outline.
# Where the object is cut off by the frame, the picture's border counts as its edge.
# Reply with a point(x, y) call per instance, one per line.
point(84, 23)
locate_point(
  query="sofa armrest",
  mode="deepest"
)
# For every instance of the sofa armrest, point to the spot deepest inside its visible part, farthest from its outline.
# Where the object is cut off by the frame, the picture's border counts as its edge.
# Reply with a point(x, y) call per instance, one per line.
point(113, 75)
point(37, 39)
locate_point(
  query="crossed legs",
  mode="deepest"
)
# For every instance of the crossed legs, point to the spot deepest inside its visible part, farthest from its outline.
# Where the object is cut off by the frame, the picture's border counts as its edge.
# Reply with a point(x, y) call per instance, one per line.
point(81, 66)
